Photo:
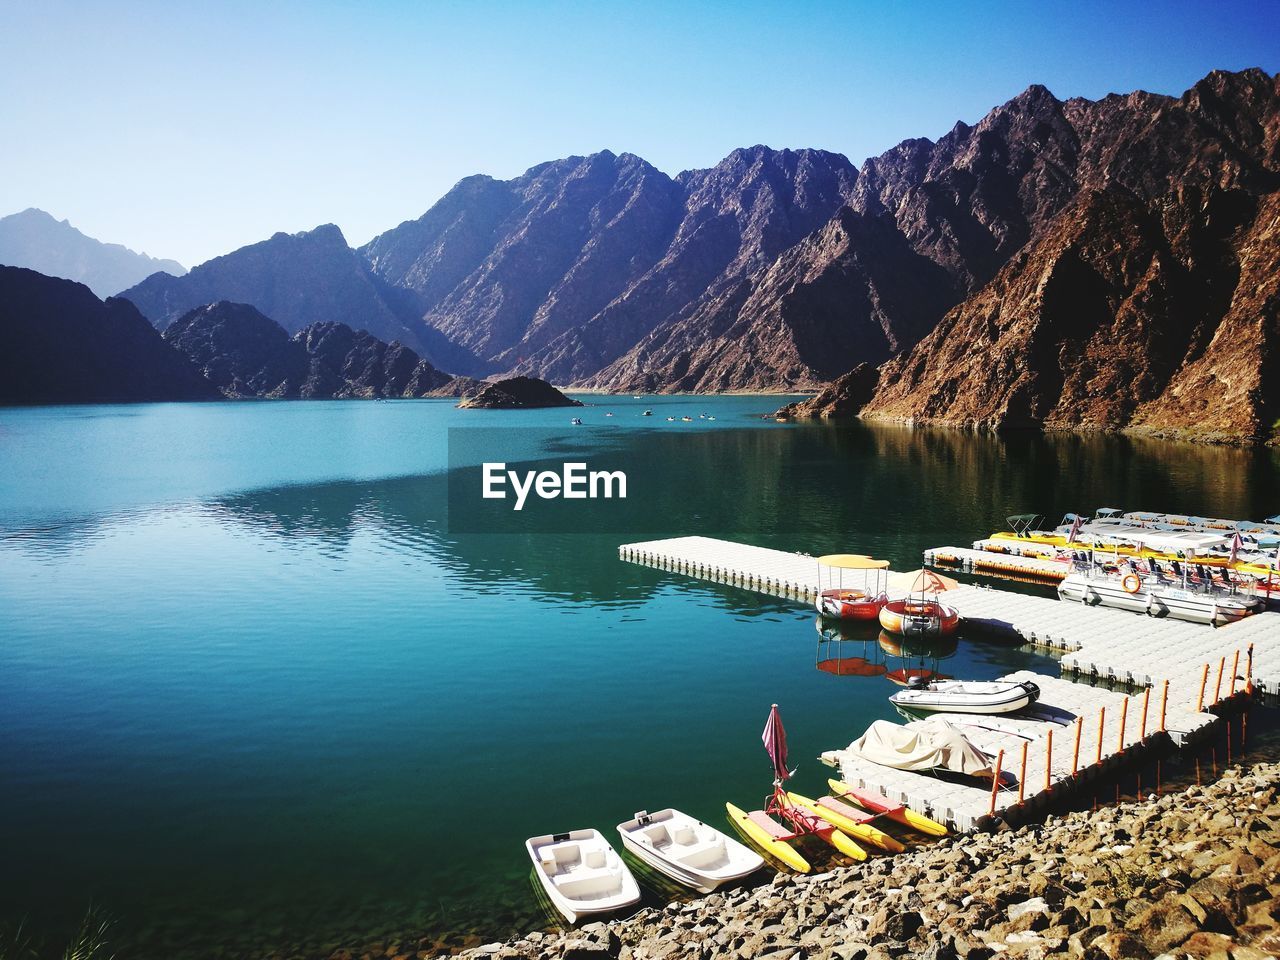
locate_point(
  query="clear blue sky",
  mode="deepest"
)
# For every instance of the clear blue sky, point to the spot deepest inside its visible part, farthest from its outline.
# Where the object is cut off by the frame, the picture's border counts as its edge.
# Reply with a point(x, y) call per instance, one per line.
point(189, 129)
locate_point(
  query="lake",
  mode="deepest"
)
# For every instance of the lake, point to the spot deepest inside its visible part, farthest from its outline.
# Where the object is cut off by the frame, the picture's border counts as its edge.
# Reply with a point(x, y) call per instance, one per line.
point(260, 695)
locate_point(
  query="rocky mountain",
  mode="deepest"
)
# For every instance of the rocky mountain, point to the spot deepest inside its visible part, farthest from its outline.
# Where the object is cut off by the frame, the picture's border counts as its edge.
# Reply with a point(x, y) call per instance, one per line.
point(1148, 301)
point(60, 344)
point(563, 269)
point(35, 240)
point(246, 354)
point(297, 280)
point(841, 399)
point(518, 393)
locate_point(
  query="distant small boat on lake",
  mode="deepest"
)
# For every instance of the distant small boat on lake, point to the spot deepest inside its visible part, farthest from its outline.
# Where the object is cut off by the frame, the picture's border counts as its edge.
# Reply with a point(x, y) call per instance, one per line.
point(576, 421)
point(647, 413)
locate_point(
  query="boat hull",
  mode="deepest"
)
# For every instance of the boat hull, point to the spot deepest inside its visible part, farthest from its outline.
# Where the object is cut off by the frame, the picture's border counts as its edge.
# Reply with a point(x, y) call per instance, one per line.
point(780, 850)
point(881, 805)
point(704, 881)
point(845, 823)
point(596, 882)
point(953, 697)
point(915, 619)
point(1160, 602)
point(849, 605)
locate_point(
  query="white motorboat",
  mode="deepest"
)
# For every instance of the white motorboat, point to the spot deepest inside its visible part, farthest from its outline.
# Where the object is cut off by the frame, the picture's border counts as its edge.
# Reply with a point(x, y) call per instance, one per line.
point(1143, 595)
point(687, 850)
point(582, 874)
point(966, 696)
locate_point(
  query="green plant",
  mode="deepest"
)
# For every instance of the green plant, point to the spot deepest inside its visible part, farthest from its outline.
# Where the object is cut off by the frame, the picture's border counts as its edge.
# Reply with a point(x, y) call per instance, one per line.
point(90, 943)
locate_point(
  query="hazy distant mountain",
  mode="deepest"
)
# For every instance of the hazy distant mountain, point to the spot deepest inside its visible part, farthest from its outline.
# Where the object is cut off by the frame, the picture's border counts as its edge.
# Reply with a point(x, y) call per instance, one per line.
point(61, 344)
point(297, 280)
point(246, 354)
point(35, 240)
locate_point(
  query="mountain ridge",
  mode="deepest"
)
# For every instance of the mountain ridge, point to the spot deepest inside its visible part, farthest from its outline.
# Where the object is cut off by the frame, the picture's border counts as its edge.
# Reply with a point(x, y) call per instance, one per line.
point(39, 241)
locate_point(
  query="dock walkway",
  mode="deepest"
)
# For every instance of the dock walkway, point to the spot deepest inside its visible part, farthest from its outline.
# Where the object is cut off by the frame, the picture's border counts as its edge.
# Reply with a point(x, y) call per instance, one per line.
point(1201, 665)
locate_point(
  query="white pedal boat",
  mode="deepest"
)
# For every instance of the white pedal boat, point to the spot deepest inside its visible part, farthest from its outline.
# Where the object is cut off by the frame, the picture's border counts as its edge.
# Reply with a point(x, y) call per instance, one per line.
point(582, 874)
point(966, 696)
point(687, 850)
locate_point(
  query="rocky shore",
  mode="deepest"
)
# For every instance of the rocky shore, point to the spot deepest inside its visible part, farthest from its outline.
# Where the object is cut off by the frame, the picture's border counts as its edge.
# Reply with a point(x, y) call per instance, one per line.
point(1191, 874)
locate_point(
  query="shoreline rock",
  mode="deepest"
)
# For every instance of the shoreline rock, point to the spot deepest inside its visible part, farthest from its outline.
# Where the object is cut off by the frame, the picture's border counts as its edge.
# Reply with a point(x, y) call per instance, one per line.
point(1191, 874)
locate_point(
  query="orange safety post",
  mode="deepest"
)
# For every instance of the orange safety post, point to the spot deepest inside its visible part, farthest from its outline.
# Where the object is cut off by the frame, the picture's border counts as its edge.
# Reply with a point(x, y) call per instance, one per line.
point(1075, 756)
point(1217, 687)
point(1022, 776)
point(995, 781)
point(1204, 679)
point(1235, 668)
point(1244, 726)
point(1102, 722)
point(1164, 705)
point(1228, 739)
point(1124, 715)
point(1146, 699)
point(1048, 760)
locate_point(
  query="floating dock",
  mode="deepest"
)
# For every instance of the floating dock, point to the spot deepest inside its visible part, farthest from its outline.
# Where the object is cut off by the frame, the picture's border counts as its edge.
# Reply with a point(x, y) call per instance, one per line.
point(1075, 734)
point(1182, 669)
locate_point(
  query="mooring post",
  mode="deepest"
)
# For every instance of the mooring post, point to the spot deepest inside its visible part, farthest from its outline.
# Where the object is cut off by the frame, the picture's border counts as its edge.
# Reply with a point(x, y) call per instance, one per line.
point(1164, 704)
point(1124, 715)
point(995, 781)
point(1075, 756)
point(1102, 722)
point(1248, 680)
point(1235, 668)
point(1048, 760)
point(1146, 699)
point(1022, 774)
point(1217, 687)
point(1204, 679)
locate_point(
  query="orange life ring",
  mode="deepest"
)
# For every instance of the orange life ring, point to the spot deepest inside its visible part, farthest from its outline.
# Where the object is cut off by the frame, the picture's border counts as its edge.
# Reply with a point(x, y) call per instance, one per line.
point(1131, 583)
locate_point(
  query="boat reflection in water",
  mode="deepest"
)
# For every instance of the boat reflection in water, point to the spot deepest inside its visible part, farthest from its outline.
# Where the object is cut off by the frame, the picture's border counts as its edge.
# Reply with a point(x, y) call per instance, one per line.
point(852, 649)
point(916, 658)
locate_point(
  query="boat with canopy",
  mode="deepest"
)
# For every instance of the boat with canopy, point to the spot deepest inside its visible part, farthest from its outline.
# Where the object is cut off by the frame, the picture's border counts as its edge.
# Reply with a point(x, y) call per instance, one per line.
point(851, 586)
point(920, 613)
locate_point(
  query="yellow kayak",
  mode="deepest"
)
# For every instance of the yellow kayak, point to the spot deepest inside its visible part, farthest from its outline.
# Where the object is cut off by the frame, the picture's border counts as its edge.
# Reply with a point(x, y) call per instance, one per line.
point(764, 833)
point(880, 805)
point(844, 820)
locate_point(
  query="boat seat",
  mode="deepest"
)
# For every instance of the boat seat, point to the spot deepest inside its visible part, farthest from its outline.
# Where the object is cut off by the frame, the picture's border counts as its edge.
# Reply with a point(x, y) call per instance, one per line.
point(686, 836)
point(589, 884)
point(706, 854)
point(658, 836)
point(556, 857)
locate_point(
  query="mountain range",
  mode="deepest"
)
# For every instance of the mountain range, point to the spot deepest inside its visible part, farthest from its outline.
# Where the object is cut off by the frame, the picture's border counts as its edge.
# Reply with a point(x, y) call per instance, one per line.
point(1104, 264)
point(37, 241)
point(60, 344)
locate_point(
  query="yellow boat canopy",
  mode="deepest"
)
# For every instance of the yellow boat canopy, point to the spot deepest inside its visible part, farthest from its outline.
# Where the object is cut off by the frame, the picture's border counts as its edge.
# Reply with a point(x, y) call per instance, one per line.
point(852, 561)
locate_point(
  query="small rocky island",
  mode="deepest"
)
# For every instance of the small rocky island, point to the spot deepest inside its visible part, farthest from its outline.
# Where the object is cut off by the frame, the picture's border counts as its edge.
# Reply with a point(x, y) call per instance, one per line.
point(518, 393)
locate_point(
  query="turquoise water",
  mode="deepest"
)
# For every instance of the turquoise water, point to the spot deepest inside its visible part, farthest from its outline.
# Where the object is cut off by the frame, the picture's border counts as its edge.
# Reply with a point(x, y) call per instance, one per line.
point(257, 695)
